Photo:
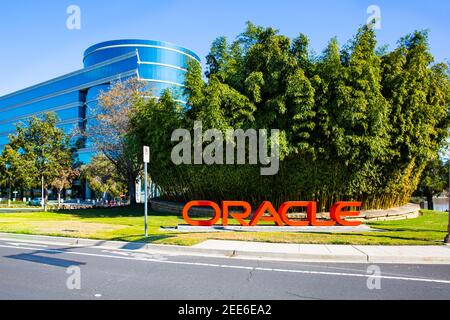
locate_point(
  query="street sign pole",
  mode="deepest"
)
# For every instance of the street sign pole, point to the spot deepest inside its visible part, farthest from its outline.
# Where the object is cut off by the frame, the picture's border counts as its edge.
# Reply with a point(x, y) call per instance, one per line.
point(146, 200)
point(42, 193)
point(146, 161)
point(447, 238)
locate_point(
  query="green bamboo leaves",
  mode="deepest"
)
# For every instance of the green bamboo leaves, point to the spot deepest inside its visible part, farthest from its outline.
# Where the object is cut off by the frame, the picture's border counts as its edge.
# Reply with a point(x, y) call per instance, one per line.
point(356, 123)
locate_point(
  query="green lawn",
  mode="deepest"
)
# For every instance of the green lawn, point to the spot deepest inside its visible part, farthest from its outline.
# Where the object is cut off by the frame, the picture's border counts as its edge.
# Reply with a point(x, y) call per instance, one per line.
point(126, 224)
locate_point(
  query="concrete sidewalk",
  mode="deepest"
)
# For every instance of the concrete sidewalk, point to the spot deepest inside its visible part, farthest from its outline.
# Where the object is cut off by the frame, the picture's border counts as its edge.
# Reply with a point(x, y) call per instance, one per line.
point(263, 251)
point(335, 253)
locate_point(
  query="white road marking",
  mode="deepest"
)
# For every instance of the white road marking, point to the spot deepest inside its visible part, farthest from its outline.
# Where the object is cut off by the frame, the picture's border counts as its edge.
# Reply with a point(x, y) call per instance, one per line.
point(33, 242)
point(28, 244)
point(151, 257)
point(212, 265)
point(139, 255)
point(116, 252)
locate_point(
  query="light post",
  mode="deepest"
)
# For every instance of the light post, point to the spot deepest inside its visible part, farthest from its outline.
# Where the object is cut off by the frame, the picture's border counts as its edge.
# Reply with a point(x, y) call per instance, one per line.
point(146, 161)
point(9, 182)
point(44, 167)
point(42, 193)
point(447, 238)
point(9, 192)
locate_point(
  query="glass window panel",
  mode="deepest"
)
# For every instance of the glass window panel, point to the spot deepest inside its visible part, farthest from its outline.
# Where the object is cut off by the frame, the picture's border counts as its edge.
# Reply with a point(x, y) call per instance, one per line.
point(159, 55)
point(69, 127)
point(85, 156)
point(156, 72)
point(7, 128)
point(43, 105)
point(72, 81)
point(3, 140)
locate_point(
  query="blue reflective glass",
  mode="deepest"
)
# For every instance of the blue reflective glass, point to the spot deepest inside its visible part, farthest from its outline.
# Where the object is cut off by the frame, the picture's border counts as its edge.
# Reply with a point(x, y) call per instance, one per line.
point(74, 81)
point(163, 73)
point(7, 128)
point(67, 114)
point(149, 50)
point(74, 96)
point(27, 107)
point(157, 88)
point(69, 127)
point(3, 140)
point(94, 92)
point(164, 57)
point(85, 156)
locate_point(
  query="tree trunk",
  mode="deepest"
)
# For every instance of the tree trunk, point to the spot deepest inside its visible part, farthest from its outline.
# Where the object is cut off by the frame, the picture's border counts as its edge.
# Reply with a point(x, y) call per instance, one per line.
point(45, 198)
point(430, 201)
point(59, 199)
point(132, 190)
point(9, 193)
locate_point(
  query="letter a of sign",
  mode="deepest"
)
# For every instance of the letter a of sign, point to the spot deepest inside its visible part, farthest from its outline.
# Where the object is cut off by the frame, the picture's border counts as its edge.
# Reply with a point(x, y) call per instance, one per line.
point(273, 216)
point(146, 155)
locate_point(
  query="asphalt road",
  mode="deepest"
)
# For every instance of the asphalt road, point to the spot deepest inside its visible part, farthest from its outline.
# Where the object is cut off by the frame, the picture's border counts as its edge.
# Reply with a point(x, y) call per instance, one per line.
point(38, 271)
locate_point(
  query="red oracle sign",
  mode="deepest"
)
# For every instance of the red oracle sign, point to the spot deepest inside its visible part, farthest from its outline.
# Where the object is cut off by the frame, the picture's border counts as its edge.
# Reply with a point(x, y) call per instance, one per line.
point(280, 217)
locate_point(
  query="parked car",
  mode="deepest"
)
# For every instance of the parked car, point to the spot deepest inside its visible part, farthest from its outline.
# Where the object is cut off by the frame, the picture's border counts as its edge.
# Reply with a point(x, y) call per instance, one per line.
point(36, 202)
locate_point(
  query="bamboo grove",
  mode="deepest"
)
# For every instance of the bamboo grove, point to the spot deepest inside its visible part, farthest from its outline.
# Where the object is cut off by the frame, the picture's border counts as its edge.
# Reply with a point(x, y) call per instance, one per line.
point(357, 122)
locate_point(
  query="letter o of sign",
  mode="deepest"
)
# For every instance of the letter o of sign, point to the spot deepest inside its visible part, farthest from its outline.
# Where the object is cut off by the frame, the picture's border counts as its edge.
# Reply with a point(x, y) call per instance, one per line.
point(199, 223)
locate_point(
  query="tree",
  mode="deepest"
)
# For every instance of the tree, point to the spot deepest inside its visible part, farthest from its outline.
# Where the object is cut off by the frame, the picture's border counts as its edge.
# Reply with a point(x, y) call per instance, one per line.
point(16, 169)
point(359, 113)
point(418, 93)
point(356, 123)
point(109, 133)
point(64, 180)
point(434, 180)
point(39, 151)
point(102, 177)
point(153, 122)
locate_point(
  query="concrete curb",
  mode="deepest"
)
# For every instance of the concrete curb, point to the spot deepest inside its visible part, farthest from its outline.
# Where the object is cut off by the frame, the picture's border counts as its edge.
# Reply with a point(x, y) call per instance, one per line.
point(351, 254)
point(13, 210)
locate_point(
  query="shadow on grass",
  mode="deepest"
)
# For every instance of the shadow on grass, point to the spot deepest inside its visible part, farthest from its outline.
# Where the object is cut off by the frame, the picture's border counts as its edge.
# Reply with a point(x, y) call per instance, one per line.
point(113, 212)
point(413, 229)
point(409, 228)
point(139, 243)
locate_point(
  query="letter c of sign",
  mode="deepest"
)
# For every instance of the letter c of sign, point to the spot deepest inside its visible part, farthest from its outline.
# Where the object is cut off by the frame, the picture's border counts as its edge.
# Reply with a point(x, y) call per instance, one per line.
point(197, 223)
point(311, 207)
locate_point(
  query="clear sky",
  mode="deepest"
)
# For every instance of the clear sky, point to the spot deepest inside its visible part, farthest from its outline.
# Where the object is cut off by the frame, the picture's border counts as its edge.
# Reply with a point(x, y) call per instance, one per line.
point(36, 45)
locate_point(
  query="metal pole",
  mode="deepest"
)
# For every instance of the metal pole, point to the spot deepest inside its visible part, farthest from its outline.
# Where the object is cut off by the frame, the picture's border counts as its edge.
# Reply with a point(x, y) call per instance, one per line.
point(447, 238)
point(9, 192)
point(146, 199)
point(42, 193)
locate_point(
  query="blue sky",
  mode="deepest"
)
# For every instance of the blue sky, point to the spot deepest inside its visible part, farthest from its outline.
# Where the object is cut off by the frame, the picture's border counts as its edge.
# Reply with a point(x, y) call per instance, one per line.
point(37, 46)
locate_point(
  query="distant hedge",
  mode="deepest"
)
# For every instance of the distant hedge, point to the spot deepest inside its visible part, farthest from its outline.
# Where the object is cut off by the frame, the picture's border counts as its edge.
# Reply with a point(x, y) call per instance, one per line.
point(357, 123)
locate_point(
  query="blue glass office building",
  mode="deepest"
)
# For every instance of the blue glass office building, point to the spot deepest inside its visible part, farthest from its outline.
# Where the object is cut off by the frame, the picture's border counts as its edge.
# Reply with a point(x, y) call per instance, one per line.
point(162, 65)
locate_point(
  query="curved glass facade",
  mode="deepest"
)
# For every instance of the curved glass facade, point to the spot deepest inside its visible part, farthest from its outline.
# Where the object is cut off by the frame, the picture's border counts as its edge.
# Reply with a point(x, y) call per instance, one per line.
point(162, 65)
